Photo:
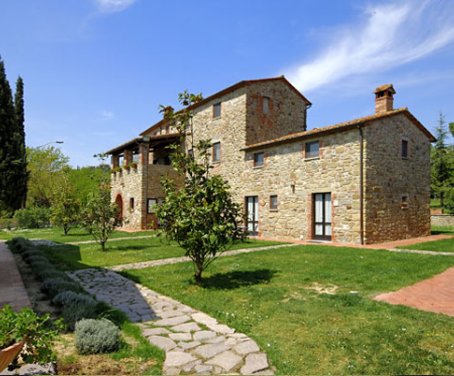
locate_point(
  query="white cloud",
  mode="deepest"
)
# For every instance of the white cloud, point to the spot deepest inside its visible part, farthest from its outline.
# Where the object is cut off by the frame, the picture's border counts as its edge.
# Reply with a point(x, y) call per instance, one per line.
point(110, 6)
point(390, 35)
point(106, 115)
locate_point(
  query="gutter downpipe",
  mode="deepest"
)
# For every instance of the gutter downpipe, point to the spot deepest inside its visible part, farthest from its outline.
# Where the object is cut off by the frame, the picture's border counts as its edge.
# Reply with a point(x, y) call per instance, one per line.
point(361, 184)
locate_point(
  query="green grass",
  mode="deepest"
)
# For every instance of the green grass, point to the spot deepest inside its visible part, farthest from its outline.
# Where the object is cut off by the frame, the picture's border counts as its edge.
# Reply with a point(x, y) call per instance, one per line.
point(449, 230)
point(268, 296)
point(56, 234)
point(71, 257)
point(444, 245)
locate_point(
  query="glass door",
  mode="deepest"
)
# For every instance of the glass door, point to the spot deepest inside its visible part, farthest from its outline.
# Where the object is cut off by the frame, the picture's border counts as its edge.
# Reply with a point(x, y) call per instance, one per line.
point(252, 214)
point(322, 216)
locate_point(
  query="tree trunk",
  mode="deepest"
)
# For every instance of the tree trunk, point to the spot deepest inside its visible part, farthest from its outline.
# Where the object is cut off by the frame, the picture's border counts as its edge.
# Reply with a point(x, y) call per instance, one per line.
point(103, 245)
point(198, 275)
point(66, 230)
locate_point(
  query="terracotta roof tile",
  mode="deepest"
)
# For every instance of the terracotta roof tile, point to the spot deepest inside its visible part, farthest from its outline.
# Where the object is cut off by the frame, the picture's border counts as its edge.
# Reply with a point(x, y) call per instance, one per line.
point(340, 127)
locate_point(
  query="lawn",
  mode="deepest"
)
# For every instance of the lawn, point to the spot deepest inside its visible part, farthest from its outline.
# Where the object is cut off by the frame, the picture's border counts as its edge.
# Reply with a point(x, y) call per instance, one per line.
point(444, 245)
point(71, 257)
point(56, 234)
point(274, 297)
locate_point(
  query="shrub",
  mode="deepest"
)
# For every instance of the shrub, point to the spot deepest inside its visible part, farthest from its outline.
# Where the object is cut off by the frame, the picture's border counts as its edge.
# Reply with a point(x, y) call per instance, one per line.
point(37, 266)
point(8, 223)
point(75, 312)
point(37, 331)
point(19, 244)
point(96, 336)
point(28, 253)
point(50, 273)
point(53, 286)
point(33, 217)
point(66, 298)
point(37, 258)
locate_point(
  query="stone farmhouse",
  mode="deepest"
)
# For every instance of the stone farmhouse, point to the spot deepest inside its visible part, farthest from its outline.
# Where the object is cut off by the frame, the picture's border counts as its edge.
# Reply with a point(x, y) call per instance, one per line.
point(362, 181)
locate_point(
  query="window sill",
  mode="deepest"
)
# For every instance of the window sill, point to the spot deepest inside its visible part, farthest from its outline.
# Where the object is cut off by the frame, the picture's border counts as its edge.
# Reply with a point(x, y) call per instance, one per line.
point(216, 162)
point(258, 167)
point(311, 159)
point(405, 158)
point(274, 210)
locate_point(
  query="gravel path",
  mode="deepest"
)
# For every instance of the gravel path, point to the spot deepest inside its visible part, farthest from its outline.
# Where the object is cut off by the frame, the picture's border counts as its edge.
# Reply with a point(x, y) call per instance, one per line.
point(194, 342)
point(176, 260)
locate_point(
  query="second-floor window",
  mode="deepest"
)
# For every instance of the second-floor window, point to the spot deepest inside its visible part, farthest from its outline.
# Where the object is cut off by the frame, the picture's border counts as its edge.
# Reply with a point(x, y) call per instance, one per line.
point(265, 105)
point(404, 149)
point(259, 159)
point(273, 202)
point(216, 110)
point(312, 149)
point(217, 152)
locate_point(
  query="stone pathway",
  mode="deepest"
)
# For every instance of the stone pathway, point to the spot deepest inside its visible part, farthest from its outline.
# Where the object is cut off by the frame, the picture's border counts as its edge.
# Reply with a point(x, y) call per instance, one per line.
point(435, 294)
point(176, 260)
point(12, 290)
point(194, 342)
point(421, 252)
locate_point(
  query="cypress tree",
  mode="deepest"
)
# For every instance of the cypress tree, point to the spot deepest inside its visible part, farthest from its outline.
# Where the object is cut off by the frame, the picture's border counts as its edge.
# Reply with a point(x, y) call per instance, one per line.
point(21, 177)
point(7, 127)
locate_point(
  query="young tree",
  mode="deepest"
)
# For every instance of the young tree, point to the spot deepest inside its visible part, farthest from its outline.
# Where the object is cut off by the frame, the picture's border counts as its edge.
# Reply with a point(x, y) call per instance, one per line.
point(442, 169)
point(100, 215)
point(65, 209)
point(201, 215)
point(46, 167)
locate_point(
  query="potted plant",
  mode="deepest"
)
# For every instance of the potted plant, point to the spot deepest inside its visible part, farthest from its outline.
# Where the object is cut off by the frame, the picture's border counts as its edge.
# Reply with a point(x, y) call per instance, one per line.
point(27, 335)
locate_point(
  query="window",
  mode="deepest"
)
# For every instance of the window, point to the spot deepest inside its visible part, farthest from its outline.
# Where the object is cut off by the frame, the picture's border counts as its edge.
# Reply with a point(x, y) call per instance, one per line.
point(217, 152)
point(273, 202)
point(265, 105)
point(404, 149)
point(191, 153)
point(259, 159)
point(217, 110)
point(131, 203)
point(404, 202)
point(151, 205)
point(312, 149)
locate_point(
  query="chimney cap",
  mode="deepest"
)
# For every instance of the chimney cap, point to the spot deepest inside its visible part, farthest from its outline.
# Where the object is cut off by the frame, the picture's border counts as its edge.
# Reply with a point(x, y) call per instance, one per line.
point(385, 87)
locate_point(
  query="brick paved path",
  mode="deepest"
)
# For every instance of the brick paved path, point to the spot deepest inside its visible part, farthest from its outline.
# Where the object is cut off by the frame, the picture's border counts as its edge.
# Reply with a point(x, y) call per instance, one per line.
point(435, 294)
point(12, 290)
point(194, 342)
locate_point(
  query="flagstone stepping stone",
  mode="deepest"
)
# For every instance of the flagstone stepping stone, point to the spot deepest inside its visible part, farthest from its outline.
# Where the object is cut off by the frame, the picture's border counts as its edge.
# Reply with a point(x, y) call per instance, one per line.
point(163, 343)
point(254, 363)
point(204, 335)
point(194, 342)
point(227, 360)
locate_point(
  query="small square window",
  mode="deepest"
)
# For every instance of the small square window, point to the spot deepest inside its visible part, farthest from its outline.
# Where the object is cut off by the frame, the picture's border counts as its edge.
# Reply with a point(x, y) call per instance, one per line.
point(151, 205)
point(259, 159)
point(273, 202)
point(131, 203)
point(217, 110)
point(404, 202)
point(312, 149)
point(404, 149)
point(217, 152)
point(265, 105)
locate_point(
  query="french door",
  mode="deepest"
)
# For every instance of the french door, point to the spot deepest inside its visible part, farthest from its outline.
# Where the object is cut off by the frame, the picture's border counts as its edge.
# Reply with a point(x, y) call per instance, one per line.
point(322, 216)
point(252, 214)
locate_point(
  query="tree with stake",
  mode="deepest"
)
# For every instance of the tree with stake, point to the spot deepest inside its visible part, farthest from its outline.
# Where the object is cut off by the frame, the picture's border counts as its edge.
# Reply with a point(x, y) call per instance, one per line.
point(100, 215)
point(201, 215)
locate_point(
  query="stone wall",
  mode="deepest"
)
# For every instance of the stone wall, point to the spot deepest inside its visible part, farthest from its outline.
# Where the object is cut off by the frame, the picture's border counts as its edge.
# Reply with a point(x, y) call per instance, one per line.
point(294, 180)
point(442, 220)
point(286, 113)
point(397, 190)
point(128, 184)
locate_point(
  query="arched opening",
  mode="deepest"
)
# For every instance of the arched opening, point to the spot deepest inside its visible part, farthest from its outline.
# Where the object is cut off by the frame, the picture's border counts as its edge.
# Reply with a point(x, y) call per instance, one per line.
point(119, 203)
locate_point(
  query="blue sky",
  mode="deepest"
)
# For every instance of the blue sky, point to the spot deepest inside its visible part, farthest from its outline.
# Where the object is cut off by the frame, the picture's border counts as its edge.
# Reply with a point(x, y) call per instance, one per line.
point(96, 71)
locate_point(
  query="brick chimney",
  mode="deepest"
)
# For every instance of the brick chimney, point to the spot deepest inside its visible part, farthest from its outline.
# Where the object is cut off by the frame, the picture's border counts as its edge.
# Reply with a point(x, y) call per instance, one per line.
point(384, 98)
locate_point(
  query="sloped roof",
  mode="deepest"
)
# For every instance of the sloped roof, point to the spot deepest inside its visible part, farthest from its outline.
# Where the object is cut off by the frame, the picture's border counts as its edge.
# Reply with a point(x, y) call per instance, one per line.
point(230, 89)
point(340, 127)
point(136, 141)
